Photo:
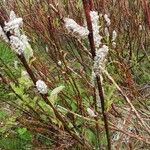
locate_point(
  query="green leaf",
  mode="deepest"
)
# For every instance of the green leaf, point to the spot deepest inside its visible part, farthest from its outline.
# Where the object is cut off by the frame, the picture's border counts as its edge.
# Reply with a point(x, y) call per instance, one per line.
point(108, 104)
point(12, 144)
point(57, 90)
point(110, 89)
point(21, 130)
point(46, 108)
point(2, 114)
point(24, 134)
point(90, 135)
point(18, 89)
point(54, 94)
point(25, 81)
point(74, 107)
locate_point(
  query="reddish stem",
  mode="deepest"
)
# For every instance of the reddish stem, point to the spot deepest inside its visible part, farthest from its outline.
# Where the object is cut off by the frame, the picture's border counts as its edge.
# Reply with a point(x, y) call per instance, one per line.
point(147, 10)
point(87, 7)
point(87, 4)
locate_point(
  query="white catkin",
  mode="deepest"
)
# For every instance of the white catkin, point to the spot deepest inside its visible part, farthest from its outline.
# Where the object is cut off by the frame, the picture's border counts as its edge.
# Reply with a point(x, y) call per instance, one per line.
point(41, 87)
point(100, 57)
point(59, 63)
point(14, 24)
point(18, 41)
point(114, 44)
point(140, 28)
point(17, 45)
point(93, 77)
point(108, 22)
point(95, 25)
point(98, 100)
point(12, 15)
point(72, 26)
point(27, 46)
point(99, 60)
point(114, 35)
point(115, 136)
point(91, 112)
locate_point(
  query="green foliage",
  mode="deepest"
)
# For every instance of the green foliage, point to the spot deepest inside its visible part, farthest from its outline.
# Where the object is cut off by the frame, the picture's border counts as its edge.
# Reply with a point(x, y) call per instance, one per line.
point(20, 141)
point(141, 71)
point(8, 123)
point(24, 134)
point(25, 81)
point(74, 106)
point(12, 144)
point(2, 115)
point(110, 99)
point(91, 136)
point(54, 94)
point(6, 54)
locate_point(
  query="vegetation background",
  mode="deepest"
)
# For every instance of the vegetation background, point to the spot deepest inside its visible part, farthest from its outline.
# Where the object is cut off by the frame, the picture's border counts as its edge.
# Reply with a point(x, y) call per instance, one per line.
point(64, 62)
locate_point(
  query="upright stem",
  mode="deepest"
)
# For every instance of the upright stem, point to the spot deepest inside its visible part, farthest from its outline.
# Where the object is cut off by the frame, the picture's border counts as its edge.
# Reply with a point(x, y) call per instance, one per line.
point(147, 12)
point(101, 95)
point(87, 8)
point(91, 3)
point(28, 69)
